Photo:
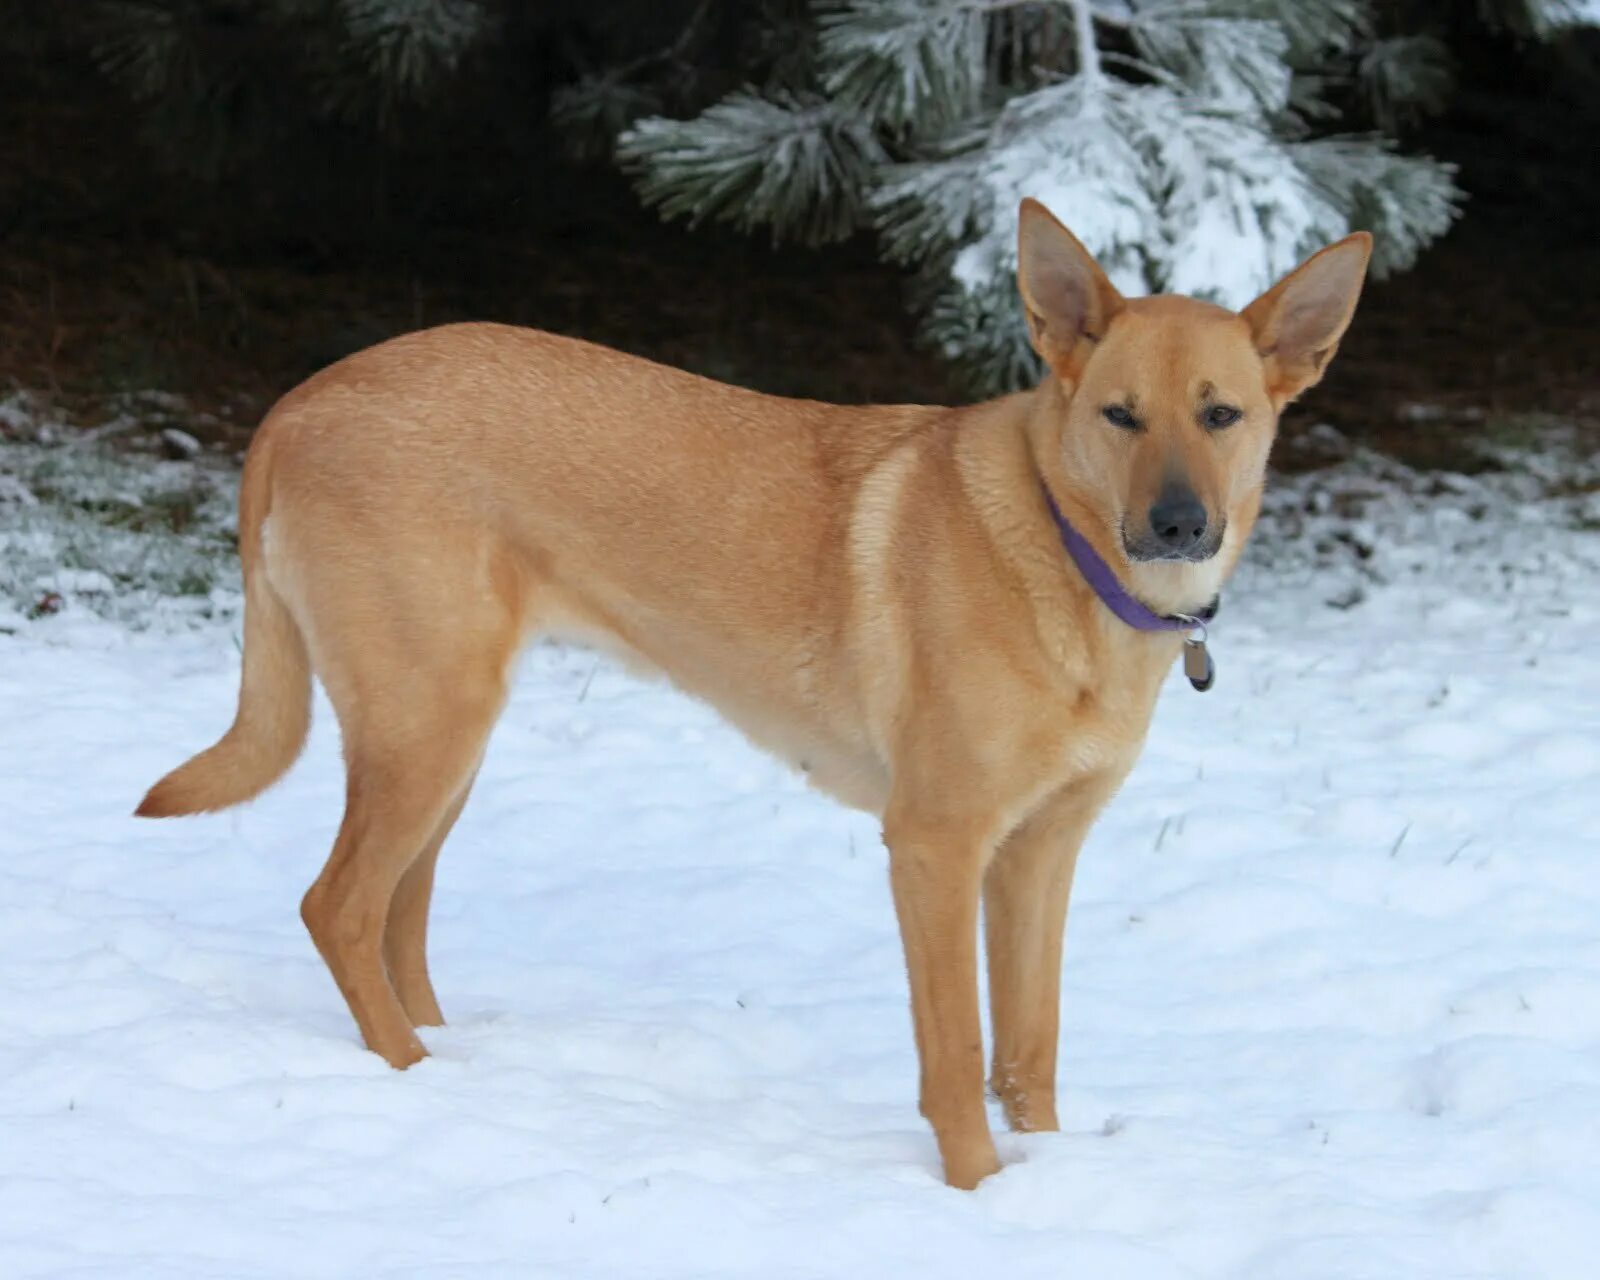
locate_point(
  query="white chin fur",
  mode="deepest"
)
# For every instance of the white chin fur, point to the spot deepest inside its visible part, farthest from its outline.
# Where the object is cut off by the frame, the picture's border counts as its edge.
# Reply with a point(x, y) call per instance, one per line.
point(1178, 586)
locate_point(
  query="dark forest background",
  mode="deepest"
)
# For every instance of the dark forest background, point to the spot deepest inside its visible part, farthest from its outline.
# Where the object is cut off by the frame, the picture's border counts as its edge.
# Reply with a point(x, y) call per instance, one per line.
point(223, 248)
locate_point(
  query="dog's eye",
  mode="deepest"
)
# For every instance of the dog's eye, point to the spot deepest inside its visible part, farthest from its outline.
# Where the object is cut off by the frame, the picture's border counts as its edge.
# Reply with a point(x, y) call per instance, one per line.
point(1221, 415)
point(1120, 416)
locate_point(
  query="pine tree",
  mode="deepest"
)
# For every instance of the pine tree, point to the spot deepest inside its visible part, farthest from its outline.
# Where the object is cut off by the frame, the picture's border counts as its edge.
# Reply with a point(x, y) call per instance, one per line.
point(1540, 19)
point(217, 77)
point(1189, 143)
point(1195, 145)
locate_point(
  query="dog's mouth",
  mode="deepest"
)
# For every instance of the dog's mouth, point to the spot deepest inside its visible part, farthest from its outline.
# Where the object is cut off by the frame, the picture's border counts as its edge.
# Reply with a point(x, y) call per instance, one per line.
point(1149, 549)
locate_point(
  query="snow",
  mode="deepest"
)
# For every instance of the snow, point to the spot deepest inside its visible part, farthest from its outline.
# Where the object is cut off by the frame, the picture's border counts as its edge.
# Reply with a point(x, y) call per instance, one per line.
point(94, 516)
point(1331, 1006)
point(1570, 13)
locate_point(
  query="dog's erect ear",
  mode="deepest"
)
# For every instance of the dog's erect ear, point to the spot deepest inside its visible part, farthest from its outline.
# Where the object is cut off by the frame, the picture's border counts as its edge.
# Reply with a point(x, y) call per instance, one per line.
point(1298, 322)
point(1065, 293)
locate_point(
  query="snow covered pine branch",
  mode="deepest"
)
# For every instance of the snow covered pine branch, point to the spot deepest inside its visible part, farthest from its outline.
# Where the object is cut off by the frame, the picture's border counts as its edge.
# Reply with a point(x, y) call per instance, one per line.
point(1186, 141)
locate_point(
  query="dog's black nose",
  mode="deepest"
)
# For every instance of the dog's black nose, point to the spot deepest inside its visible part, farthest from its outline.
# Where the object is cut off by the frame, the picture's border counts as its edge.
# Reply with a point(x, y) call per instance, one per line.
point(1178, 520)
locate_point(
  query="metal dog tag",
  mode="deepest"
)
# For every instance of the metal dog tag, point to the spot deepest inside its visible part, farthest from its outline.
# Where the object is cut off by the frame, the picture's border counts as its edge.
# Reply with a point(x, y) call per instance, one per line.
point(1197, 664)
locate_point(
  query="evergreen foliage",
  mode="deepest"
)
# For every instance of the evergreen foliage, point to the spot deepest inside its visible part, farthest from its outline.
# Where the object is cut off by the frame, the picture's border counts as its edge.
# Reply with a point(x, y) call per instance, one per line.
point(1197, 146)
point(1189, 143)
point(217, 77)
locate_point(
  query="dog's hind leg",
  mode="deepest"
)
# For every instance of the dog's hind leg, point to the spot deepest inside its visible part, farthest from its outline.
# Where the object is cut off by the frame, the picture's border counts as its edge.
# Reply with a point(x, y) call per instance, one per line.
point(403, 793)
point(416, 666)
point(405, 938)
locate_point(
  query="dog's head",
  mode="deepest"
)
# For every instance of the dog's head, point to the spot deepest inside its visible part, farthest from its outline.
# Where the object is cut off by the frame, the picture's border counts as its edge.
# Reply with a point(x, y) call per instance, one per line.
point(1162, 410)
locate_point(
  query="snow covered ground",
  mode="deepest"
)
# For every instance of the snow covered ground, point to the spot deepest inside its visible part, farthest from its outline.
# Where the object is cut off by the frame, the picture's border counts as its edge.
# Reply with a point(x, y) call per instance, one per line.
point(1331, 998)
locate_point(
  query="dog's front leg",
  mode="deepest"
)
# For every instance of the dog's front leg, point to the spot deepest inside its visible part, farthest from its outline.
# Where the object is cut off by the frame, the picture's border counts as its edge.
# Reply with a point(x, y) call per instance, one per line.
point(936, 871)
point(1025, 896)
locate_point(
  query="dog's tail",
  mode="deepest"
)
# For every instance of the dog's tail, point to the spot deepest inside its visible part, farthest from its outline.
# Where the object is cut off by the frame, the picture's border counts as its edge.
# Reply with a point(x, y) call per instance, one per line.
point(274, 713)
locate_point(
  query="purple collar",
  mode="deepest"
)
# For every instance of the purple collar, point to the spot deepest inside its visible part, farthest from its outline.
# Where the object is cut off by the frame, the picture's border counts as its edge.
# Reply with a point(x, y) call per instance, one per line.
point(1116, 597)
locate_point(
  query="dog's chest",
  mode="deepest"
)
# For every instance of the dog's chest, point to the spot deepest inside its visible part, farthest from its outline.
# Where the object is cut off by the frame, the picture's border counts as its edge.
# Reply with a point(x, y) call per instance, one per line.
point(1099, 717)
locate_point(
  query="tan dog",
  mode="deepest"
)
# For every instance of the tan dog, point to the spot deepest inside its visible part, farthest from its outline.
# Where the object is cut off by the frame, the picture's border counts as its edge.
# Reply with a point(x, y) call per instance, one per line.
point(879, 595)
